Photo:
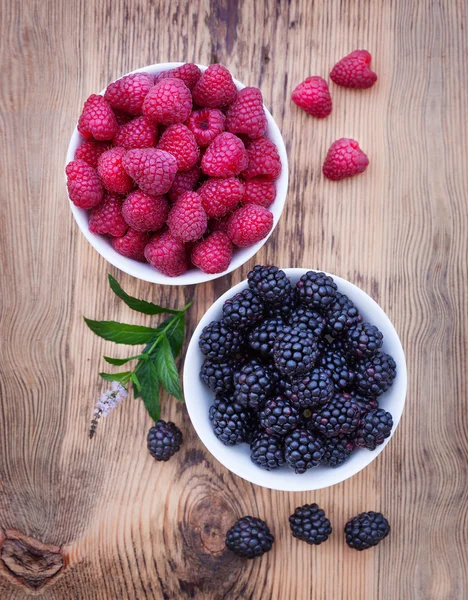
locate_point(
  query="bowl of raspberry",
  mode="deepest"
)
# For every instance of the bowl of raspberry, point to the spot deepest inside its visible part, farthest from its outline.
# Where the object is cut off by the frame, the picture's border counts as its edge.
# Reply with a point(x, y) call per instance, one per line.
point(295, 380)
point(177, 173)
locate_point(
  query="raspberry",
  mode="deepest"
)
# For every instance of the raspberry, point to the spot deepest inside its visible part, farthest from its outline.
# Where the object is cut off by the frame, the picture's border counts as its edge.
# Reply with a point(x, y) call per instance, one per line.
point(132, 244)
point(206, 124)
point(83, 184)
point(246, 114)
point(122, 117)
point(259, 192)
point(106, 218)
point(168, 102)
point(97, 119)
point(264, 160)
point(225, 156)
point(353, 71)
point(188, 73)
point(219, 224)
point(215, 88)
point(184, 182)
point(167, 254)
point(344, 159)
point(249, 224)
point(129, 92)
point(112, 173)
point(178, 140)
point(221, 196)
point(213, 254)
point(313, 96)
point(90, 151)
point(187, 220)
point(154, 170)
point(138, 133)
point(144, 212)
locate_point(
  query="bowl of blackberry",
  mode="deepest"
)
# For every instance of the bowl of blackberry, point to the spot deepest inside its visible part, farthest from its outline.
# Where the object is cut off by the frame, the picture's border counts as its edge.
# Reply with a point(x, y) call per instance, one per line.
point(295, 379)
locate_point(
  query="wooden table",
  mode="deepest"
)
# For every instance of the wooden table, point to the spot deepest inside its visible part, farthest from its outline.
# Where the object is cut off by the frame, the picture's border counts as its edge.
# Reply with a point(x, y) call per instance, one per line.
point(104, 520)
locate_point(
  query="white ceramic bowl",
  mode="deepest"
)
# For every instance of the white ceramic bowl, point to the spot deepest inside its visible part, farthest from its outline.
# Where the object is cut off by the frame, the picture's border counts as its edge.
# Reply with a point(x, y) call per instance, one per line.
point(199, 398)
point(145, 271)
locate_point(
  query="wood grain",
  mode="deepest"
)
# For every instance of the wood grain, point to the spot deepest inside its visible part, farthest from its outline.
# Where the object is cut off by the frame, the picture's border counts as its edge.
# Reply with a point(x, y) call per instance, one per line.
point(110, 521)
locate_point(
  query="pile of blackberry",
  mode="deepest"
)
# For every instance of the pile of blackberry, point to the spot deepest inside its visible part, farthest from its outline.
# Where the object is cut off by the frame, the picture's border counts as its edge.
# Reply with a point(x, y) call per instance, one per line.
point(296, 373)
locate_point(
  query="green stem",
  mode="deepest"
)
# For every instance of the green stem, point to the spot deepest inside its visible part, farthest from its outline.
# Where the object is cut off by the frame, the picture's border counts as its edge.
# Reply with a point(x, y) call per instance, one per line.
point(158, 339)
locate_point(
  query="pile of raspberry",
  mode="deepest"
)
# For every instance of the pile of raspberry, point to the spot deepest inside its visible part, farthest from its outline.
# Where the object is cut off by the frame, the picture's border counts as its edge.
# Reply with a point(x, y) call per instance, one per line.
point(176, 168)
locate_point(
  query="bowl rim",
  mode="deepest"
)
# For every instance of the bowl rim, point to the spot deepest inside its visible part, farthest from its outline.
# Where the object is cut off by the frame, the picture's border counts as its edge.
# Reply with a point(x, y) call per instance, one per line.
point(194, 276)
point(305, 482)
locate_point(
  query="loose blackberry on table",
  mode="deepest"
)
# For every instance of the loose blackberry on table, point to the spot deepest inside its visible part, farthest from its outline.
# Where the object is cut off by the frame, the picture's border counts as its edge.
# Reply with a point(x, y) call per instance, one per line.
point(249, 537)
point(366, 530)
point(309, 524)
point(164, 440)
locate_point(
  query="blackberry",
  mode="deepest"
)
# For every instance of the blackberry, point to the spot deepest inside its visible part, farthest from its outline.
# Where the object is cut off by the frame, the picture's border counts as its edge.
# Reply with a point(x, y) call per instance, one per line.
point(311, 389)
point(279, 416)
point(339, 416)
point(375, 375)
point(218, 342)
point(308, 318)
point(316, 289)
point(366, 530)
point(267, 451)
point(252, 384)
point(295, 351)
point(285, 308)
point(365, 404)
point(230, 421)
point(270, 283)
point(249, 537)
point(336, 365)
point(362, 340)
point(262, 337)
point(309, 524)
point(218, 376)
point(337, 450)
point(341, 315)
point(164, 440)
point(243, 310)
point(374, 429)
point(303, 450)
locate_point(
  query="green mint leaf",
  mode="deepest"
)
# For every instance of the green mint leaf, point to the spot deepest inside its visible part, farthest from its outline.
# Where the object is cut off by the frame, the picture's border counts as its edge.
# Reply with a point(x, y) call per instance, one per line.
point(121, 361)
point(135, 380)
point(149, 388)
point(175, 335)
point(122, 377)
point(167, 370)
point(147, 308)
point(122, 333)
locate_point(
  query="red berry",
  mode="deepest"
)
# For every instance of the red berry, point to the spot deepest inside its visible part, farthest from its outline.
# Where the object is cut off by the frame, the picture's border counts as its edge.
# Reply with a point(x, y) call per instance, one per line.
point(353, 71)
point(213, 254)
point(167, 254)
point(188, 73)
point(129, 92)
point(215, 88)
point(206, 124)
point(178, 140)
point(90, 151)
point(344, 159)
point(246, 114)
point(264, 160)
point(187, 220)
point(249, 224)
point(184, 181)
point(153, 170)
point(144, 212)
point(106, 218)
point(122, 117)
point(97, 119)
point(221, 196)
point(138, 133)
point(112, 173)
point(313, 96)
point(84, 186)
point(225, 156)
point(168, 102)
point(219, 224)
point(261, 192)
point(132, 244)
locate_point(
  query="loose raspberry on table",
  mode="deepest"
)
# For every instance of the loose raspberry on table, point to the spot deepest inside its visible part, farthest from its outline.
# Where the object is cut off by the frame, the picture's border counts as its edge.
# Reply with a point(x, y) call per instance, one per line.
point(144, 212)
point(344, 159)
point(184, 181)
point(353, 71)
point(138, 133)
point(153, 170)
point(188, 73)
point(132, 244)
point(219, 224)
point(249, 224)
point(187, 219)
point(112, 173)
point(221, 196)
point(215, 88)
point(107, 218)
point(129, 92)
point(263, 160)
point(84, 186)
point(313, 96)
point(259, 192)
point(213, 254)
point(179, 141)
point(168, 102)
point(225, 156)
point(167, 254)
point(206, 124)
point(97, 119)
point(246, 114)
point(90, 151)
